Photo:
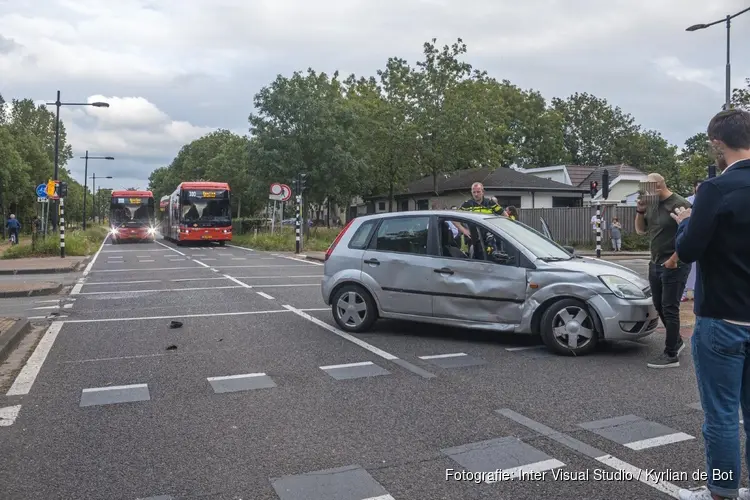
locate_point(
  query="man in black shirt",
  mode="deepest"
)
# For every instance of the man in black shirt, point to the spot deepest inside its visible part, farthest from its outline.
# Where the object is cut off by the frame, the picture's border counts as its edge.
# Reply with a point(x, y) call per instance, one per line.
point(717, 236)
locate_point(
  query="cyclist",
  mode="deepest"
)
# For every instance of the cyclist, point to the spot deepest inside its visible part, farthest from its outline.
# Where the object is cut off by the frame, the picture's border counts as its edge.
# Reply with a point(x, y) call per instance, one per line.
point(14, 227)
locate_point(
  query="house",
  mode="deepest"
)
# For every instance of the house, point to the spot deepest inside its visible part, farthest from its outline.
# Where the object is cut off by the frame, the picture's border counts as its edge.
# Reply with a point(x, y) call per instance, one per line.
point(624, 180)
point(509, 186)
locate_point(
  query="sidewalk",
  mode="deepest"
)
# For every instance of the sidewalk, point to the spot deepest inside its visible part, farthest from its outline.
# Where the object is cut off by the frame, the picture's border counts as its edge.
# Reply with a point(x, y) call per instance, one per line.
point(42, 265)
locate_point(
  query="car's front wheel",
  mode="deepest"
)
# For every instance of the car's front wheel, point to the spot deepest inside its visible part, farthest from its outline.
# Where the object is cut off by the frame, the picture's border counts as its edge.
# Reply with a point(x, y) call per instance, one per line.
point(568, 328)
point(353, 308)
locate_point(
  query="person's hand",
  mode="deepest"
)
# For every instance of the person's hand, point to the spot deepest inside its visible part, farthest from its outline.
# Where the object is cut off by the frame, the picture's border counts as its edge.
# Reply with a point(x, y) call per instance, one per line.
point(641, 205)
point(670, 264)
point(680, 214)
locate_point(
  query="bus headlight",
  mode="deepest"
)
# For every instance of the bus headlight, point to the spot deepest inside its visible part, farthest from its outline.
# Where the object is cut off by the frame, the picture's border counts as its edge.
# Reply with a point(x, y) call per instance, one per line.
point(152, 230)
point(113, 231)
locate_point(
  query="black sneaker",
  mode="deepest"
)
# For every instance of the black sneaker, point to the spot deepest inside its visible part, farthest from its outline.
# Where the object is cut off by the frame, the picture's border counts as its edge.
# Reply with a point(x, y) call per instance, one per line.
point(680, 348)
point(665, 361)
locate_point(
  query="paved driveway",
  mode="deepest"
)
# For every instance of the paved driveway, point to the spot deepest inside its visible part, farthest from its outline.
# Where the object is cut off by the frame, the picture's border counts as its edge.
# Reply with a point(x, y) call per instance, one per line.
point(259, 396)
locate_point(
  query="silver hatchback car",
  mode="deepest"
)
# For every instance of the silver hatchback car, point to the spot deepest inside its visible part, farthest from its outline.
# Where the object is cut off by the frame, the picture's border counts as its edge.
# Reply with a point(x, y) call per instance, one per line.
point(482, 272)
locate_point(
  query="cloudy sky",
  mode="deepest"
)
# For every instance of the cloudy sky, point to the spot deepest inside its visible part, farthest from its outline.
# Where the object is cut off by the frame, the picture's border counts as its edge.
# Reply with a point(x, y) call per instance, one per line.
point(175, 70)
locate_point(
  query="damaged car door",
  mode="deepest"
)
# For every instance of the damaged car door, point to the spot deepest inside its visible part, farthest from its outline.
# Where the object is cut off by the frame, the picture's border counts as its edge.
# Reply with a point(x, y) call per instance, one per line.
point(476, 285)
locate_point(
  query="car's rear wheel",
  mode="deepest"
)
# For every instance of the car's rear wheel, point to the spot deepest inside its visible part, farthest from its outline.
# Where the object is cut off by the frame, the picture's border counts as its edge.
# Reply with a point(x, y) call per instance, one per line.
point(353, 308)
point(568, 328)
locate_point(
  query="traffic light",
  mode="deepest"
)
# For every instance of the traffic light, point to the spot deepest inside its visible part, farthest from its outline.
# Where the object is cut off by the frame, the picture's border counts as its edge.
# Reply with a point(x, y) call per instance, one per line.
point(62, 189)
point(605, 184)
point(594, 188)
point(302, 182)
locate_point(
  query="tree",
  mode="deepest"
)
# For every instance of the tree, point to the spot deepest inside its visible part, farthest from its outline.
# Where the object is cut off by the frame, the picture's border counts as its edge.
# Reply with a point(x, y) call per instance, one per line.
point(304, 125)
point(741, 97)
point(694, 160)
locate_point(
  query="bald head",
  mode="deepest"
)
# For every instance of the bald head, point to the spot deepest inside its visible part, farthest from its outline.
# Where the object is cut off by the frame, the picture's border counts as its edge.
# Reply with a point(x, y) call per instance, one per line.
point(658, 179)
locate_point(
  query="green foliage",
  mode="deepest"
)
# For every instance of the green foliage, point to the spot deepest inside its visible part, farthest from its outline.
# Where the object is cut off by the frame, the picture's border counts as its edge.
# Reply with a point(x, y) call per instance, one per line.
point(634, 242)
point(77, 243)
point(318, 240)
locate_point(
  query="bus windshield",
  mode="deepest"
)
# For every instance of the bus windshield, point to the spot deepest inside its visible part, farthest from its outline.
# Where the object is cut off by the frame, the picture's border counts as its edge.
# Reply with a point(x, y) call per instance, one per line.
point(206, 206)
point(131, 211)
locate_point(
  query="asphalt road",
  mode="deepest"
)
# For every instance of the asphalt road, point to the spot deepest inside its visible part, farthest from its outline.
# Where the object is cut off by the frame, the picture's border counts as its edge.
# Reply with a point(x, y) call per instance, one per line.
point(242, 402)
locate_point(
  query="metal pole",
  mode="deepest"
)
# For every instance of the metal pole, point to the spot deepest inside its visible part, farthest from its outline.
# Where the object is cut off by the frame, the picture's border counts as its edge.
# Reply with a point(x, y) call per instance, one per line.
point(297, 223)
point(62, 228)
point(93, 197)
point(85, 191)
point(598, 230)
point(729, 69)
point(57, 135)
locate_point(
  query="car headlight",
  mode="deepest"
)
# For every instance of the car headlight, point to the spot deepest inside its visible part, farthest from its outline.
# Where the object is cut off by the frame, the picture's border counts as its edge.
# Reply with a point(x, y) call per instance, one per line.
point(622, 288)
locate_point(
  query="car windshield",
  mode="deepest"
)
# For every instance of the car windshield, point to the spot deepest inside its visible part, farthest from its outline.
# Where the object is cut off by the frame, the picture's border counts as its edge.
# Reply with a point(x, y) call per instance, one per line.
point(542, 247)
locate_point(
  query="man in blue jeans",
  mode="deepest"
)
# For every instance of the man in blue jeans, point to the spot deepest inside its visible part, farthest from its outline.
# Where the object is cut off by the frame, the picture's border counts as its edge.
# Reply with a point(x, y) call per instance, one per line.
point(715, 233)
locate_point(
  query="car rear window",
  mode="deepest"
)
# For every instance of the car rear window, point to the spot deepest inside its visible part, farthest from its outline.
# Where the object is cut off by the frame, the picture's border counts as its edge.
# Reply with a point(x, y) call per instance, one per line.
point(362, 236)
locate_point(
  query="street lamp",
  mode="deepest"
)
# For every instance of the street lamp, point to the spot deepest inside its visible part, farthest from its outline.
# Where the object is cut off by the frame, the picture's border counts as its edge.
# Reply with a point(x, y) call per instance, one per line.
point(58, 104)
point(93, 191)
point(728, 19)
point(85, 180)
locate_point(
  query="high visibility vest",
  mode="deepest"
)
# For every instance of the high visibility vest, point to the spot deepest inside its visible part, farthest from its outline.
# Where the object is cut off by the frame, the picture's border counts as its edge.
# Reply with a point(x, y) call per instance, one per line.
point(486, 207)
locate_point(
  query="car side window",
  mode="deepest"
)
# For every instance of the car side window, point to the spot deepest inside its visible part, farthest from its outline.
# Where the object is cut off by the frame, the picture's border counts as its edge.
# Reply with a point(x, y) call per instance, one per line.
point(500, 251)
point(362, 236)
point(403, 235)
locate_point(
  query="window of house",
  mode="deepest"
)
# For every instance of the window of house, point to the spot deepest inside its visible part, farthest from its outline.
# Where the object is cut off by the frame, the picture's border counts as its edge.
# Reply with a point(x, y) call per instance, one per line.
point(403, 234)
point(381, 206)
point(423, 204)
point(404, 205)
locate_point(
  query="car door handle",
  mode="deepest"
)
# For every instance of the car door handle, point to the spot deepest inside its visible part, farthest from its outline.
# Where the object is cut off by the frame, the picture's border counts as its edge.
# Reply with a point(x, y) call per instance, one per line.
point(444, 270)
point(373, 261)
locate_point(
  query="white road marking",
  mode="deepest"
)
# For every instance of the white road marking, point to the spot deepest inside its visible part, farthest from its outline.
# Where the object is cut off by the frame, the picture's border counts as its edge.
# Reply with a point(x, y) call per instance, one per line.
point(201, 263)
point(241, 248)
point(27, 376)
point(115, 388)
point(146, 261)
point(170, 248)
point(197, 279)
point(164, 290)
point(348, 365)
point(209, 258)
point(515, 472)
point(270, 266)
point(235, 377)
point(173, 316)
point(279, 277)
point(55, 301)
point(174, 260)
point(138, 250)
point(381, 497)
point(120, 282)
point(143, 256)
point(46, 307)
point(265, 295)
point(239, 258)
point(37, 317)
point(659, 441)
point(341, 334)
point(643, 476)
point(77, 287)
point(68, 306)
point(244, 285)
point(8, 415)
point(150, 270)
point(286, 285)
point(441, 356)
point(199, 255)
point(302, 260)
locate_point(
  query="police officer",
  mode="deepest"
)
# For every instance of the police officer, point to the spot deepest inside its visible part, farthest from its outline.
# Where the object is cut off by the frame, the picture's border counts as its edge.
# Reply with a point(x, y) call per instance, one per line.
point(479, 204)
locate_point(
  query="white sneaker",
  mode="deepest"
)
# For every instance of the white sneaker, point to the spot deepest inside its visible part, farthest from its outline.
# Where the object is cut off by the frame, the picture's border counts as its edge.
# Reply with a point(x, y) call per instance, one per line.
point(704, 494)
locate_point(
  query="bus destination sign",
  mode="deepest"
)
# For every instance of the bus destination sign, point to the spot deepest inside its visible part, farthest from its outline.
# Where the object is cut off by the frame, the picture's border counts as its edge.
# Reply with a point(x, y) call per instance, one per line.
point(205, 194)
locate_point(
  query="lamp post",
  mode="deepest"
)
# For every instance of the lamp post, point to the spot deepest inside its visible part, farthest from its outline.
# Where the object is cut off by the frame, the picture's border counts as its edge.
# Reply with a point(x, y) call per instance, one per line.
point(94, 193)
point(728, 77)
point(59, 104)
point(85, 180)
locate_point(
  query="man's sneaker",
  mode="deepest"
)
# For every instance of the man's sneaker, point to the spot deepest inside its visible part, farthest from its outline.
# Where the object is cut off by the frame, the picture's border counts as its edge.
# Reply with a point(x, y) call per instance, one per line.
point(704, 494)
point(665, 361)
point(682, 346)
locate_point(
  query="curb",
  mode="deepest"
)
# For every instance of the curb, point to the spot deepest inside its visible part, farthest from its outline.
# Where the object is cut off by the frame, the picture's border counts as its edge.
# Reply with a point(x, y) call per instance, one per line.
point(10, 338)
point(48, 270)
point(36, 292)
point(310, 257)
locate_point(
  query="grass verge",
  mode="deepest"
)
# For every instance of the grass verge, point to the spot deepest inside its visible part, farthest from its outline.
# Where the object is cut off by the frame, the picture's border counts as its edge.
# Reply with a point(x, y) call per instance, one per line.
point(318, 240)
point(77, 243)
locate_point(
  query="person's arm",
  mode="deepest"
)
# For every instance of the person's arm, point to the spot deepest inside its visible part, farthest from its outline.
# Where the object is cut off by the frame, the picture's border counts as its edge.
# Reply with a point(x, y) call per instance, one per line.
point(641, 226)
point(695, 232)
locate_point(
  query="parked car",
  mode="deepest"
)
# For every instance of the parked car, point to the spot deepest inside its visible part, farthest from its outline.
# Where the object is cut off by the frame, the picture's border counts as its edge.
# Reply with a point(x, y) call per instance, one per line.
point(506, 277)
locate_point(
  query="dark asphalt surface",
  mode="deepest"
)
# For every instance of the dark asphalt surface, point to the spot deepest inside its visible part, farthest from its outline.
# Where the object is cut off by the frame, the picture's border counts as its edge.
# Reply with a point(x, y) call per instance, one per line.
point(186, 441)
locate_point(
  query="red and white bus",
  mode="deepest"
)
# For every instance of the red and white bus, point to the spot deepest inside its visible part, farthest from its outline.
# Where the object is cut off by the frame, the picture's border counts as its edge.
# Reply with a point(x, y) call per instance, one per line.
point(131, 216)
point(199, 211)
point(164, 214)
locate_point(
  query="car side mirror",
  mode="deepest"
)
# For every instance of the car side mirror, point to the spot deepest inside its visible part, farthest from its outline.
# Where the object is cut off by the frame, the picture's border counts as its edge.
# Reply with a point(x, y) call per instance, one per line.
point(500, 257)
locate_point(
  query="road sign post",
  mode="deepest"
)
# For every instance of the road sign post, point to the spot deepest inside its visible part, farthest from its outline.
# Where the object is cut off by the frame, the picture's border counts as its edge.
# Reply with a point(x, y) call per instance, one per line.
point(62, 228)
point(278, 193)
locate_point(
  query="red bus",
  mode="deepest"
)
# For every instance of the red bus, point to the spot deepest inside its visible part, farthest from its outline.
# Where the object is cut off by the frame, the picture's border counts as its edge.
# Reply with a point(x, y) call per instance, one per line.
point(131, 216)
point(199, 211)
point(164, 214)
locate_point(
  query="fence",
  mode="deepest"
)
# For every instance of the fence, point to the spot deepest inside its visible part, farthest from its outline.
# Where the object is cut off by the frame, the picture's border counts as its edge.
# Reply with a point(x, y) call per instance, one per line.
point(572, 226)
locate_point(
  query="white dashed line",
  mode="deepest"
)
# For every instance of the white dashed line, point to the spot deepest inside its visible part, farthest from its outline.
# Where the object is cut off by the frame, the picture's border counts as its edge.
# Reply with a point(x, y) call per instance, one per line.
point(265, 295)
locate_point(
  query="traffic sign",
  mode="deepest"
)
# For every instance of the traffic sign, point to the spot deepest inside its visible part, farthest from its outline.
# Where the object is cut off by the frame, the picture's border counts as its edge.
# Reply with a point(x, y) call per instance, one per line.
point(42, 199)
point(280, 192)
point(41, 191)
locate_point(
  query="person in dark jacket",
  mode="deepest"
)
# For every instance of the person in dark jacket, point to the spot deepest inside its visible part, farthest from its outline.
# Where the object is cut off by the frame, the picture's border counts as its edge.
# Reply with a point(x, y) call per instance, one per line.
point(14, 227)
point(479, 204)
point(715, 233)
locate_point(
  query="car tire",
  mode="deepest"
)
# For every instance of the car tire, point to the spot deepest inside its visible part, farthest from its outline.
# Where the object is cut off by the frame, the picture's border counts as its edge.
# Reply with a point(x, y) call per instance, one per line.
point(578, 316)
point(358, 295)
